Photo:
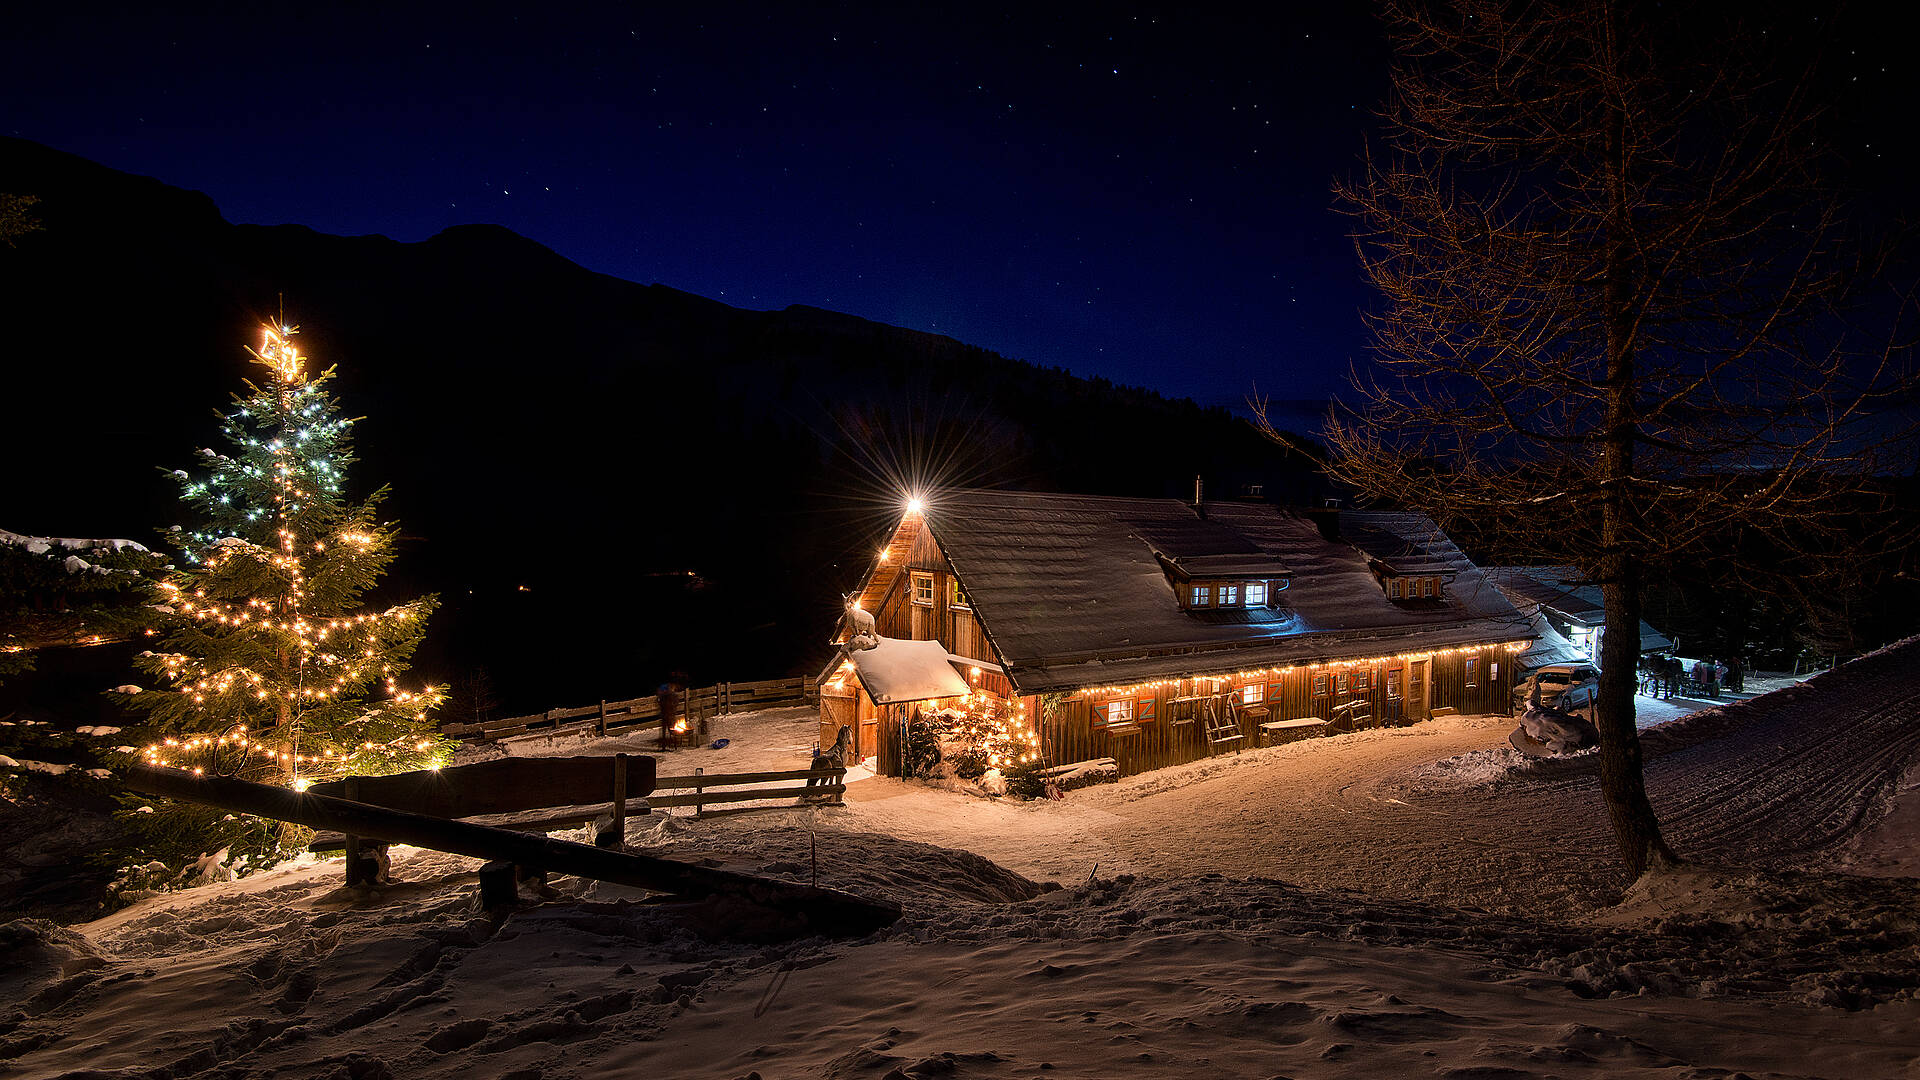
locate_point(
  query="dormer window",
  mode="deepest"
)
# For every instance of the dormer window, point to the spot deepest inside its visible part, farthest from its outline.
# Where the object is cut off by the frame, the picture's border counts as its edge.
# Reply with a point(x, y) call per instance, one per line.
point(1229, 596)
point(956, 596)
point(1256, 594)
point(1426, 588)
point(1202, 596)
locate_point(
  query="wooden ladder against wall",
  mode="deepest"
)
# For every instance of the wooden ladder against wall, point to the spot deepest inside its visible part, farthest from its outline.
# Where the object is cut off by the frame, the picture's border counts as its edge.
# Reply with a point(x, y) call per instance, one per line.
point(1222, 722)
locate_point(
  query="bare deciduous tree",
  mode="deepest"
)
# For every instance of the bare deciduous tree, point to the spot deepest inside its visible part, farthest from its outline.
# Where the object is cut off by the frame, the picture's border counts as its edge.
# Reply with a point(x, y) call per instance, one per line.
point(1610, 326)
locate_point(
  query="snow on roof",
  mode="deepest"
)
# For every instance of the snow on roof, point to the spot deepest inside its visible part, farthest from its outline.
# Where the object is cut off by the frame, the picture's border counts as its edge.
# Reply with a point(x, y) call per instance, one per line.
point(1549, 646)
point(1402, 543)
point(897, 670)
point(1072, 590)
point(1558, 588)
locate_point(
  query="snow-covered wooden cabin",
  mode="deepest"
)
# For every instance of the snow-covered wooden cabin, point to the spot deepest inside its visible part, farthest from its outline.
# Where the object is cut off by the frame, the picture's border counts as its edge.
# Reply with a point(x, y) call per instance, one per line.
point(1156, 632)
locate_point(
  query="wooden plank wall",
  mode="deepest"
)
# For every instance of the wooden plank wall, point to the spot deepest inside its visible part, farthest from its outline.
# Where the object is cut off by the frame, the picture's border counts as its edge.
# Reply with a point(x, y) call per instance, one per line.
point(898, 616)
point(1074, 735)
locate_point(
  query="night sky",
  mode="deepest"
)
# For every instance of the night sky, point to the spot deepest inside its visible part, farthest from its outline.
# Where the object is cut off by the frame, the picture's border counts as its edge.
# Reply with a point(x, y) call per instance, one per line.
point(1143, 196)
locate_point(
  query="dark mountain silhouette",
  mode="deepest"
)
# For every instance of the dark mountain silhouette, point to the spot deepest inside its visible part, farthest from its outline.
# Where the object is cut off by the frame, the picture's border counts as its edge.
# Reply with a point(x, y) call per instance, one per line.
point(675, 482)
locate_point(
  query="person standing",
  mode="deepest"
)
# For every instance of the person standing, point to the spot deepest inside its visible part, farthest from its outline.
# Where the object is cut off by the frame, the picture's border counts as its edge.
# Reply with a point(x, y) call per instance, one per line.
point(668, 700)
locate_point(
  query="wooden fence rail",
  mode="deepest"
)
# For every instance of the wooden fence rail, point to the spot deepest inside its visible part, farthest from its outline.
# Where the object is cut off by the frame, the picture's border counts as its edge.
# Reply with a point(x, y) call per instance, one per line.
point(697, 705)
point(703, 789)
point(824, 910)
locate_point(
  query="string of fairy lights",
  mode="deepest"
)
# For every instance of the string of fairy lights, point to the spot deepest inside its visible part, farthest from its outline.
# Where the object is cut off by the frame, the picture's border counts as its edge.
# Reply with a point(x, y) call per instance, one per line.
point(311, 659)
point(995, 726)
point(1124, 690)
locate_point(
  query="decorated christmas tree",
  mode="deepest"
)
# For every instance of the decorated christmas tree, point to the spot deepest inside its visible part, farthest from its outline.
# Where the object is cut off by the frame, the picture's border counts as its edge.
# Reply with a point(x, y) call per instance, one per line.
point(271, 666)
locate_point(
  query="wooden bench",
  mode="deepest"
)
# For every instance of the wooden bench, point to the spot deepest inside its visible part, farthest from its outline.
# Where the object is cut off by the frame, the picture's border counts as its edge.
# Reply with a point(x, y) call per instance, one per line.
point(1304, 725)
point(505, 786)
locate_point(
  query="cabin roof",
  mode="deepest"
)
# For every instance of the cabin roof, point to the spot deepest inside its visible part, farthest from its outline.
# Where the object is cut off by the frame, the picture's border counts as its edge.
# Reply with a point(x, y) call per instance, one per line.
point(1556, 589)
point(1400, 543)
point(1073, 591)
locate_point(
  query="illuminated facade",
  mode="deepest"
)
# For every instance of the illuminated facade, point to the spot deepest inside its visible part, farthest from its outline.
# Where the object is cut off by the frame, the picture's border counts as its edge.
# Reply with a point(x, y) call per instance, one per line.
point(1156, 631)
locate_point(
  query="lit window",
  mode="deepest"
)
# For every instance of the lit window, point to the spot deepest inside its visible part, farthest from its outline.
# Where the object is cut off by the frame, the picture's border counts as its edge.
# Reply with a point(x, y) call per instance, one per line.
point(1473, 670)
point(1363, 682)
point(922, 589)
point(956, 596)
point(1341, 683)
point(1119, 712)
point(1493, 671)
point(1229, 596)
point(1253, 694)
point(1321, 685)
point(1256, 593)
point(1203, 596)
point(1393, 683)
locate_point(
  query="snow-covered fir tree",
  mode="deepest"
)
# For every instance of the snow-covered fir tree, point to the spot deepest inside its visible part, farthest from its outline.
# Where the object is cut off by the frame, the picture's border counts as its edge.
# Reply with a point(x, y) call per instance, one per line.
point(272, 667)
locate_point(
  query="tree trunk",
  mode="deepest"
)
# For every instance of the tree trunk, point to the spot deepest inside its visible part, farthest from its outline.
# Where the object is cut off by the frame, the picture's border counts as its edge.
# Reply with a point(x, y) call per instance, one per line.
point(1622, 781)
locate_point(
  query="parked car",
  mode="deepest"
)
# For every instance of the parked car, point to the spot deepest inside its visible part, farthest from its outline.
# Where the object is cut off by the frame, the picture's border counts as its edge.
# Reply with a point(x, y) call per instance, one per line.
point(1554, 680)
point(1578, 698)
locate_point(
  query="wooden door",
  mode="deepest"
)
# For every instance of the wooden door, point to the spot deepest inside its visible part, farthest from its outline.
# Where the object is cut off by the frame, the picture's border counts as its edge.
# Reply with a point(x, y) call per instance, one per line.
point(835, 713)
point(1418, 674)
point(866, 740)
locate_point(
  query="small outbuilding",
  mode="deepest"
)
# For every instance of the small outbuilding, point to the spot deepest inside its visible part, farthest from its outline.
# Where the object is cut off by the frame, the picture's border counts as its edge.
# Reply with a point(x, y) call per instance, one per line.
point(1569, 614)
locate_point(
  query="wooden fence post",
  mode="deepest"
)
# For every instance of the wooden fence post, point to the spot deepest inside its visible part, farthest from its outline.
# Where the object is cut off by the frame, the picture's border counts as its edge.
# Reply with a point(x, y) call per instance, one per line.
point(699, 781)
point(616, 837)
point(603, 718)
point(353, 842)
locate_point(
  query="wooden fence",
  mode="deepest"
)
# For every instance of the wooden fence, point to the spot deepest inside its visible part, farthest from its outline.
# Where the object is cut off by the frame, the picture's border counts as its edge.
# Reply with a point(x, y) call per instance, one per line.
point(697, 706)
point(703, 789)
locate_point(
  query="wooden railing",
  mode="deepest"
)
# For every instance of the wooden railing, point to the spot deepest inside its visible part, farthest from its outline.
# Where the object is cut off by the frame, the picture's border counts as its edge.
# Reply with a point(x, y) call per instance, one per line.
point(697, 705)
point(703, 789)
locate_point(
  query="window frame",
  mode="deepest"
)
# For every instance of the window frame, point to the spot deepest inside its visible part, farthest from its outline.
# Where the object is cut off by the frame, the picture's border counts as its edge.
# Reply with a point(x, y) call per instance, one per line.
point(1229, 593)
point(915, 578)
point(957, 598)
point(1253, 694)
point(1118, 705)
point(1252, 585)
point(1363, 681)
point(1321, 684)
point(1199, 596)
point(1396, 684)
point(1473, 670)
point(1427, 589)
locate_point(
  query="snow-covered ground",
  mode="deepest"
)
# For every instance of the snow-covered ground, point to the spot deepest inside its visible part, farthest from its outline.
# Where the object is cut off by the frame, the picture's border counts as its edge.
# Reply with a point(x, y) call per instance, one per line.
point(1411, 902)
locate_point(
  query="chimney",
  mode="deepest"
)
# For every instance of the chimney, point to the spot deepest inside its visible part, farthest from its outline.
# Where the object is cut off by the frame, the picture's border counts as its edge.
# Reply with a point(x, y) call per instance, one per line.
point(1199, 497)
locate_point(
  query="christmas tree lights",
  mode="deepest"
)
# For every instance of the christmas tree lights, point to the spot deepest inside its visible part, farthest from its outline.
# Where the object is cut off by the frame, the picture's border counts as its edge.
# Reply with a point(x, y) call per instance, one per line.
point(270, 667)
point(980, 731)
